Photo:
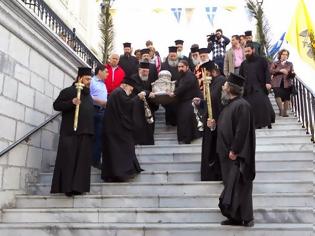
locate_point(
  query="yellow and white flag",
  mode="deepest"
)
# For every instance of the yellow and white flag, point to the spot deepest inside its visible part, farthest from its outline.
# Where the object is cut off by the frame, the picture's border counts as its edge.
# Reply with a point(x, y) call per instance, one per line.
point(301, 35)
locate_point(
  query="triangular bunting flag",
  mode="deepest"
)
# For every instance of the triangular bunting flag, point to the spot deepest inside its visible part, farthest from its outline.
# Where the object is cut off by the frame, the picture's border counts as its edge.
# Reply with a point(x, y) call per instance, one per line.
point(211, 11)
point(177, 13)
point(158, 10)
point(189, 13)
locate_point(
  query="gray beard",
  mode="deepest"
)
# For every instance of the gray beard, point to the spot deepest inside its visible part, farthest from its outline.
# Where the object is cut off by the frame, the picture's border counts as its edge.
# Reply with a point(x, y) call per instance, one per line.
point(144, 78)
point(195, 61)
point(172, 63)
point(224, 98)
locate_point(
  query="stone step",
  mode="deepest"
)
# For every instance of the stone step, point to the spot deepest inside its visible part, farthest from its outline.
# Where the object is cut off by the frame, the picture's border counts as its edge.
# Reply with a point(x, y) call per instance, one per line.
point(281, 122)
point(157, 201)
point(300, 163)
point(279, 119)
point(259, 133)
point(196, 156)
point(191, 176)
point(150, 215)
point(96, 229)
point(276, 126)
point(177, 166)
point(196, 148)
point(182, 188)
point(259, 139)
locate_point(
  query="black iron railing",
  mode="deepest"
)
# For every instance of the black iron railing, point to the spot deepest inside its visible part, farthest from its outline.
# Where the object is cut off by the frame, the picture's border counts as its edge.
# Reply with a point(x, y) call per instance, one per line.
point(303, 105)
point(49, 18)
point(28, 135)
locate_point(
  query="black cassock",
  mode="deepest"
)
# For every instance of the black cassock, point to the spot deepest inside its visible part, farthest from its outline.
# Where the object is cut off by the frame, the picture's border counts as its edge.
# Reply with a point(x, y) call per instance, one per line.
point(256, 72)
point(186, 89)
point(143, 131)
point(73, 162)
point(119, 157)
point(129, 64)
point(170, 109)
point(210, 163)
point(236, 132)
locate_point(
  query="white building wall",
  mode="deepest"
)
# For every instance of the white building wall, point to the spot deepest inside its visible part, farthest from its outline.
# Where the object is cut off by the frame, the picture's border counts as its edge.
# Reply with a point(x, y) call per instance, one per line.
point(35, 65)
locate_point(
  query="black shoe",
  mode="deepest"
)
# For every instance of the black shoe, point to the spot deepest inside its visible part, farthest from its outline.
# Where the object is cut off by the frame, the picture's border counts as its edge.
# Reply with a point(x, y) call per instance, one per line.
point(269, 127)
point(69, 194)
point(76, 193)
point(232, 222)
point(97, 165)
point(249, 223)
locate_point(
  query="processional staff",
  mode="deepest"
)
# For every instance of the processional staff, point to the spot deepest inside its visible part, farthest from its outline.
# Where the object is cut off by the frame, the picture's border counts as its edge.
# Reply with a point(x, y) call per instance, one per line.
point(79, 87)
point(206, 92)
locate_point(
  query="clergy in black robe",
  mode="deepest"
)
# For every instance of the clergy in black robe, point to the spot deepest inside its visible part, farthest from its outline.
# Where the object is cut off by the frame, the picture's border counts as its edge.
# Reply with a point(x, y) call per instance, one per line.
point(193, 59)
point(145, 57)
point(236, 143)
point(186, 89)
point(170, 64)
point(179, 43)
point(143, 131)
point(204, 61)
point(119, 158)
point(210, 163)
point(128, 62)
point(75, 149)
point(255, 69)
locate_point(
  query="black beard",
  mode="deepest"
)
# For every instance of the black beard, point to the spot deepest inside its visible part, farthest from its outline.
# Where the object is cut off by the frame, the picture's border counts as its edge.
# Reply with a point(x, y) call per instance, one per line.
point(182, 73)
point(127, 54)
point(250, 57)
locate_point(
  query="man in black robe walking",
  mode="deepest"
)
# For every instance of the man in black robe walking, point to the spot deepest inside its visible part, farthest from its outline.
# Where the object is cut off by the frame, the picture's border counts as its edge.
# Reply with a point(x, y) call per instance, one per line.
point(210, 164)
point(127, 62)
point(186, 89)
point(170, 64)
point(119, 158)
point(255, 69)
point(236, 144)
point(143, 130)
point(75, 149)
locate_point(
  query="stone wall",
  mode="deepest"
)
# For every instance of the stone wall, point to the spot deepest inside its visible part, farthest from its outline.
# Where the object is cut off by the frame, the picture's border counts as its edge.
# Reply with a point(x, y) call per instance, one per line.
point(34, 66)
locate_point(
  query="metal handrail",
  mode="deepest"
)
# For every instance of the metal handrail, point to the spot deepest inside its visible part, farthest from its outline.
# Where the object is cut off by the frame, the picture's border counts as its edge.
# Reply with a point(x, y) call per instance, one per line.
point(26, 136)
point(303, 105)
point(54, 22)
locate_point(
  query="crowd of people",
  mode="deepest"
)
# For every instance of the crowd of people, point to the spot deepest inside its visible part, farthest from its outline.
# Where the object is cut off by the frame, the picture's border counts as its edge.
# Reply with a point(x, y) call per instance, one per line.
point(114, 105)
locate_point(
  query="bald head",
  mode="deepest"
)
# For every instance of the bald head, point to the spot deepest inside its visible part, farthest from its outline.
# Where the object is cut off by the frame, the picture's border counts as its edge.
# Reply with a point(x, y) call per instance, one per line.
point(114, 59)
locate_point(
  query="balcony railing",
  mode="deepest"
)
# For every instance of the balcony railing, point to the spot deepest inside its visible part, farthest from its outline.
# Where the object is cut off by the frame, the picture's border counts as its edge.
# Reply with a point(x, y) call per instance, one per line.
point(49, 18)
point(303, 105)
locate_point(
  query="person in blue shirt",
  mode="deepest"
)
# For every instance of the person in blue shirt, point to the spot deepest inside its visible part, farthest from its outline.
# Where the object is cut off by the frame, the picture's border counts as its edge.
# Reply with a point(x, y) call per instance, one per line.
point(98, 93)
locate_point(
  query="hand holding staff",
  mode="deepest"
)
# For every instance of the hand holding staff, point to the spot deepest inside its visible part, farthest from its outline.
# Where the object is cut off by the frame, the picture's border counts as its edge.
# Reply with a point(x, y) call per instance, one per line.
point(79, 86)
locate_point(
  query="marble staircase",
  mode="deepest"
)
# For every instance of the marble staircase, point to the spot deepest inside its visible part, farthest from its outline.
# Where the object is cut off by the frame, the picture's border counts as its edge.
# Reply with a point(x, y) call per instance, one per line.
point(168, 198)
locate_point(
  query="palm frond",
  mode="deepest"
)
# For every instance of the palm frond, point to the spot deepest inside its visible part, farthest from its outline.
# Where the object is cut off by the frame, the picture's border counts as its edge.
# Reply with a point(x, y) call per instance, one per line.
point(262, 25)
point(106, 27)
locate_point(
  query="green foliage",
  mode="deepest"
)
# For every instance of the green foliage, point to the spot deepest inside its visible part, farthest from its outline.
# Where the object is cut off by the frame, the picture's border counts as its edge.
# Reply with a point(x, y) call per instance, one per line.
point(107, 30)
point(262, 26)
